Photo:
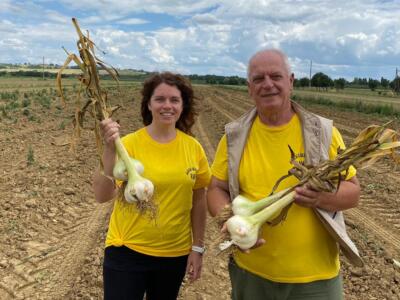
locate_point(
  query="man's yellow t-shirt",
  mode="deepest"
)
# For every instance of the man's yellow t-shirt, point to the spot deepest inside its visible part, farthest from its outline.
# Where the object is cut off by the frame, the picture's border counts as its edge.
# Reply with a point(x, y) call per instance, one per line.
point(299, 249)
point(176, 169)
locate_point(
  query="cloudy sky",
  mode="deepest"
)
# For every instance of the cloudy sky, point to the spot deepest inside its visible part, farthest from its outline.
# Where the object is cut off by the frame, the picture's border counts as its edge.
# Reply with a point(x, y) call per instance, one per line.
point(343, 38)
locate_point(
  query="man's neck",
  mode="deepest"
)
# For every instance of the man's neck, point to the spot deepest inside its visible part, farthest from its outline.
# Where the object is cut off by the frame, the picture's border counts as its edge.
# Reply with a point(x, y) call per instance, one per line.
point(277, 118)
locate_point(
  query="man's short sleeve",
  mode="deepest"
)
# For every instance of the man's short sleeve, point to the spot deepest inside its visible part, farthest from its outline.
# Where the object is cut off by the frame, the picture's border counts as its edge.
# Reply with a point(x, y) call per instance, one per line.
point(338, 143)
point(203, 173)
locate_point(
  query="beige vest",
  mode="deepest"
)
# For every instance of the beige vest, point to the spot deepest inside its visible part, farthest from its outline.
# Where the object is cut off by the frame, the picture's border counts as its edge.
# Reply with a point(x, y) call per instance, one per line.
point(317, 135)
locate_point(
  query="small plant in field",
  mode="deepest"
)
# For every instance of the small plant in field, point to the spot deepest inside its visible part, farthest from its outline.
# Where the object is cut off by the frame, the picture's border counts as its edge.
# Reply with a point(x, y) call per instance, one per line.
point(4, 111)
point(30, 158)
point(9, 96)
point(32, 118)
point(26, 102)
point(45, 102)
point(62, 125)
point(12, 226)
point(26, 112)
point(13, 105)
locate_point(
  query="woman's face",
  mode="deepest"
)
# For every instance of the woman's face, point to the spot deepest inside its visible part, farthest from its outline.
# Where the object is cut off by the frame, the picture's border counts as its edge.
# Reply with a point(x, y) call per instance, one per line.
point(166, 105)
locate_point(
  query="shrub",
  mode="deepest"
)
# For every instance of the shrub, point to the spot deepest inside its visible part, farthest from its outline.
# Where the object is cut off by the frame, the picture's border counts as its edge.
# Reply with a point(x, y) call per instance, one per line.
point(26, 102)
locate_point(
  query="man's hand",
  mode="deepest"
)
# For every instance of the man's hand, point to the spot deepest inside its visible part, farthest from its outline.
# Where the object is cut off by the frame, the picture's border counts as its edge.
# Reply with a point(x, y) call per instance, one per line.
point(344, 198)
point(307, 197)
point(259, 242)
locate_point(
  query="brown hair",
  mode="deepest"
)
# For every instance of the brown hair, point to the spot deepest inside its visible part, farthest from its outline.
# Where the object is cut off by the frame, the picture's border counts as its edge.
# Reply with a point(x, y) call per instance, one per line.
point(186, 120)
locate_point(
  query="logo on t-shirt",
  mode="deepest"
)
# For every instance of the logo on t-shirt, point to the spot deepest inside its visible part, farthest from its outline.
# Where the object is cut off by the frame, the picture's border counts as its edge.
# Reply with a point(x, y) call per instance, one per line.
point(191, 172)
point(299, 157)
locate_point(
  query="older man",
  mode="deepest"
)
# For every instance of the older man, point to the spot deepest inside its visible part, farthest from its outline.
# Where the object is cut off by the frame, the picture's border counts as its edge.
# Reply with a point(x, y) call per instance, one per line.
point(300, 256)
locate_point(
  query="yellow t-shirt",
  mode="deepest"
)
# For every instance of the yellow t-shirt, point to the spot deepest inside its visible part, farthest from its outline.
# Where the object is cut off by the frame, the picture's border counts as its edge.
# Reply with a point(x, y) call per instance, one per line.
point(299, 249)
point(176, 169)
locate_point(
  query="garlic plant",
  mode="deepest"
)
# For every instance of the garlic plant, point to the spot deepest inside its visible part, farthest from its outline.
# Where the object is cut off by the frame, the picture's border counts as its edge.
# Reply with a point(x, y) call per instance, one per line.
point(120, 172)
point(138, 189)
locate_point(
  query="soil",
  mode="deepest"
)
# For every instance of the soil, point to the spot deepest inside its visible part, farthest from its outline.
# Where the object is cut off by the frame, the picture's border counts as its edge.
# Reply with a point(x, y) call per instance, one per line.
point(52, 231)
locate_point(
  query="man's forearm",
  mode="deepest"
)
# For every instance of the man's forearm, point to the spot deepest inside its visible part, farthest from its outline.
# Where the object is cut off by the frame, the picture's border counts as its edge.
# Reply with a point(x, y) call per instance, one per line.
point(217, 199)
point(346, 197)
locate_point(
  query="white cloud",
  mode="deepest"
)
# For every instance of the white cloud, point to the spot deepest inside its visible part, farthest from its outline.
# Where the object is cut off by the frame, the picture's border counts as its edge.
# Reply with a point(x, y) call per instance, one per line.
point(133, 21)
point(207, 36)
point(206, 19)
point(13, 44)
point(173, 7)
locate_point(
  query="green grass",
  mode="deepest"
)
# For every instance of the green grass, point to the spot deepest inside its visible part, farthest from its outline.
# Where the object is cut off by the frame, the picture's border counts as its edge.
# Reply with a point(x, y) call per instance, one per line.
point(359, 100)
point(358, 106)
point(351, 95)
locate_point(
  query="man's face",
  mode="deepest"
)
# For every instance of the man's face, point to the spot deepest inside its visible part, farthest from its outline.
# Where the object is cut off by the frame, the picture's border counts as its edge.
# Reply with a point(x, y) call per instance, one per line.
point(269, 83)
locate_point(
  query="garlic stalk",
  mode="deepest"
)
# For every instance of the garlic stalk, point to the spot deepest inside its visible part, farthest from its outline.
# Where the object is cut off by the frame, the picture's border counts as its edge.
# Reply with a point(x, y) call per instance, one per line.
point(138, 188)
point(244, 207)
point(120, 172)
point(244, 230)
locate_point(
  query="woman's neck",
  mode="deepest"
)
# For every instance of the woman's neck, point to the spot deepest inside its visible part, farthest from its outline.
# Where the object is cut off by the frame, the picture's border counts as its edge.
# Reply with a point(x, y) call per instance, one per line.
point(161, 134)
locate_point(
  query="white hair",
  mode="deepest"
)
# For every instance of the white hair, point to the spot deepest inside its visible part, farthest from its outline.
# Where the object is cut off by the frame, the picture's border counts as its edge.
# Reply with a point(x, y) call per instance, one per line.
point(277, 51)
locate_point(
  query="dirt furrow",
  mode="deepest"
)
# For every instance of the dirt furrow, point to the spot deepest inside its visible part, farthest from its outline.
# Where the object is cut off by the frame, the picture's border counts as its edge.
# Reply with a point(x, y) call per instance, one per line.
point(82, 243)
point(380, 232)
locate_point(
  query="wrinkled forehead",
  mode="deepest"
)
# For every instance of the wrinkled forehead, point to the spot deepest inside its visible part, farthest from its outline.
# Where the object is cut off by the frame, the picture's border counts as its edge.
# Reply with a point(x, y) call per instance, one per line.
point(267, 63)
point(266, 69)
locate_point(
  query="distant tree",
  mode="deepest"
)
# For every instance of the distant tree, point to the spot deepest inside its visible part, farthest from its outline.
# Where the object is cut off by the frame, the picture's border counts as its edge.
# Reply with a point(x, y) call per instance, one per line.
point(384, 83)
point(233, 80)
point(321, 80)
point(340, 83)
point(395, 85)
point(304, 82)
point(364, 81)
point(356, 81)
point(373, 84)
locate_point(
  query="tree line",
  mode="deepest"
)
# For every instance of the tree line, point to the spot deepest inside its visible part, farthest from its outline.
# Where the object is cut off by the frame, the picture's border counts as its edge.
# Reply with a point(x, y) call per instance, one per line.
point(319, 80)
point(322, 81)
point(205, 79)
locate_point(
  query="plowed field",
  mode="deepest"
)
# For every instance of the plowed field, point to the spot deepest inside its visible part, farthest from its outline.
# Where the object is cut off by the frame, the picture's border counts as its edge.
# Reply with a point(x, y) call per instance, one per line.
point(52, 231)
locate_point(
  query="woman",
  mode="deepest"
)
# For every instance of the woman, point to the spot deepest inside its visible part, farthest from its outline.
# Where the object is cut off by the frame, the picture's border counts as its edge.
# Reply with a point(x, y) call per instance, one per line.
point(152, 256)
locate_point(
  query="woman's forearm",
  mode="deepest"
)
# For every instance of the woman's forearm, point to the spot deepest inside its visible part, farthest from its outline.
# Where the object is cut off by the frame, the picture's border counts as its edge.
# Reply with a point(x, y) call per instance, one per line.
point(103, 182)
point(198, 216)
